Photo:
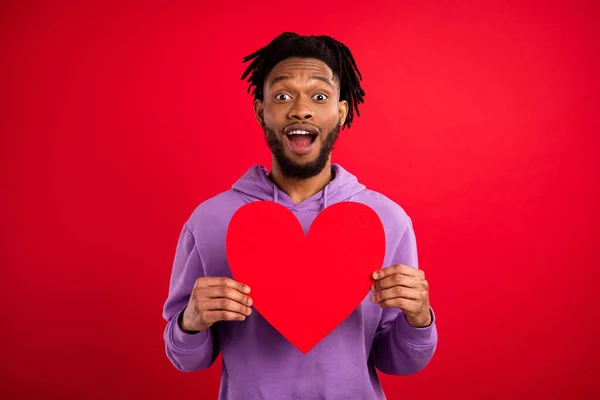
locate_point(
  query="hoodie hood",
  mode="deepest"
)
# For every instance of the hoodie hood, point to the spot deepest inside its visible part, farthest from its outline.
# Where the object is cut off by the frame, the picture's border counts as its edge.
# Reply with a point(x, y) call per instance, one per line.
point(255, 185)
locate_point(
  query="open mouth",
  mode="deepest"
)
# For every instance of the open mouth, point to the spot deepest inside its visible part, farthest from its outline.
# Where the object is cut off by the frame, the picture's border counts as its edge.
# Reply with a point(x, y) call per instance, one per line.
point(301, 142)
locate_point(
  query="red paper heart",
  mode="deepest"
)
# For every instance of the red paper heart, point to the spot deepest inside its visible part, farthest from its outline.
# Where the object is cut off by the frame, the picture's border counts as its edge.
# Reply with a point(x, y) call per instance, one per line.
point(305, 286)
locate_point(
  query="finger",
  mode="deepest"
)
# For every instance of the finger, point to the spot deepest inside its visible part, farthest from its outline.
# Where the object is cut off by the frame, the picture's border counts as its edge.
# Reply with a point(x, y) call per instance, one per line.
point(398, 292)
point(407, 305)
point(216, 292)
point(397, 269)
point(226, 305)
point(221, 281)
point(397, 280)
point(382, 273)
point(215, 316)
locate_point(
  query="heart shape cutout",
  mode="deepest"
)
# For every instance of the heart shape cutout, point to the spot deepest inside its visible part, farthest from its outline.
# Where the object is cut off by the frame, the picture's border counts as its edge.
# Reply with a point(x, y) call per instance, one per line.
point(305, 286)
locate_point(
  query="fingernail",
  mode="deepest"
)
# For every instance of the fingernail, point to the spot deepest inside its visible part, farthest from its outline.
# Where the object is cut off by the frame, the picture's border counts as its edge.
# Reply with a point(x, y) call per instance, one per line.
point(247, 289)
point(375, 275)
point(373, 299)
point(373, 288)
point(249, 302)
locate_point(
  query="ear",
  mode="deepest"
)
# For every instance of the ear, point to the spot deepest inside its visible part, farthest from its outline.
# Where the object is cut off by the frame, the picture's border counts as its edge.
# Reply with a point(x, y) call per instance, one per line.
point(343, 111)
point(259, 111)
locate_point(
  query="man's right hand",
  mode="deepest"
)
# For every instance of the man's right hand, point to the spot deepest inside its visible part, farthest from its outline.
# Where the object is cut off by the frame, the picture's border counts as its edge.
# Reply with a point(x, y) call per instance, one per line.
point(215, 299)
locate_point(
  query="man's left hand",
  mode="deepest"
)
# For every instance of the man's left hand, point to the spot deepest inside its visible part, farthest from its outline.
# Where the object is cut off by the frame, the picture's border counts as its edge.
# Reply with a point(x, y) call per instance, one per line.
point(403, 287)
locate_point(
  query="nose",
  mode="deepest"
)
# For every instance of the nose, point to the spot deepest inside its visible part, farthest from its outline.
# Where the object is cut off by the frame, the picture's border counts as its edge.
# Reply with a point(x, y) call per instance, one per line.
point(301, 110)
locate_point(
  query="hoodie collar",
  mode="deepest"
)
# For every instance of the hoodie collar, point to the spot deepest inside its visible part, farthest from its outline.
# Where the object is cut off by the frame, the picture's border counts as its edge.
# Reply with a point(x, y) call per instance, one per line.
point(255, 185)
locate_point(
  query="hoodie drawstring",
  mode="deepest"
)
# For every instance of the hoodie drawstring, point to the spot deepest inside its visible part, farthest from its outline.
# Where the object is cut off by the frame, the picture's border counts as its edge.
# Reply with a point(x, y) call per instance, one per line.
point(325, 198)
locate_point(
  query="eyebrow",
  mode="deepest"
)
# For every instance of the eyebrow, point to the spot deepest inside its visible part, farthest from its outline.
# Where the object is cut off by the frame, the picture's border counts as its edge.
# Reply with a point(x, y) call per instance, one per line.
point(286, 77)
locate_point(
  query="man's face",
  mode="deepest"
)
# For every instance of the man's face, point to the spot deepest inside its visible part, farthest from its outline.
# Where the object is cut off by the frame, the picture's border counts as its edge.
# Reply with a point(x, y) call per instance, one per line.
point(301, 115)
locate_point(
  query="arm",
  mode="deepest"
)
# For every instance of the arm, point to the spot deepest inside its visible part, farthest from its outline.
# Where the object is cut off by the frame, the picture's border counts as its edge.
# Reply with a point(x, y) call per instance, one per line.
point(398, 347)
point(186, 351)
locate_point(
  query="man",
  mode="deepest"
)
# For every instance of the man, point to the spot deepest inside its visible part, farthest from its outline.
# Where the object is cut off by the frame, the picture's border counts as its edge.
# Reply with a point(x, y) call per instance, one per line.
point(305, 89)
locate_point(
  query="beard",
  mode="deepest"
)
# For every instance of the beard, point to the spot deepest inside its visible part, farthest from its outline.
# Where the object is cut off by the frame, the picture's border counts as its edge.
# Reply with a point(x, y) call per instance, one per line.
point(292, 169)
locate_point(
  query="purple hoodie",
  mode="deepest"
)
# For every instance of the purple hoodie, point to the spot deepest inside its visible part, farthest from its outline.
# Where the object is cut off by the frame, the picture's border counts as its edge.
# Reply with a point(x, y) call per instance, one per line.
point(258, 362)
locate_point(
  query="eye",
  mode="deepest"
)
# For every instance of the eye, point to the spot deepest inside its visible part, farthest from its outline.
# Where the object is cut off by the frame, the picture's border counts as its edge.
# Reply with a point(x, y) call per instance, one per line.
point(324, 97)
point(281, 94)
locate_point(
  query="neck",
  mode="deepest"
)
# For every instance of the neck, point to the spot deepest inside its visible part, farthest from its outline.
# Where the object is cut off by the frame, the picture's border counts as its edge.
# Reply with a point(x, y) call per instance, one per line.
point(300, 189)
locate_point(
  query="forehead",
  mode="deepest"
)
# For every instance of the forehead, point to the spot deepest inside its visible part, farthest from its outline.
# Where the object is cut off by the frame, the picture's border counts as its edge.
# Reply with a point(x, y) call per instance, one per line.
point(301, 69)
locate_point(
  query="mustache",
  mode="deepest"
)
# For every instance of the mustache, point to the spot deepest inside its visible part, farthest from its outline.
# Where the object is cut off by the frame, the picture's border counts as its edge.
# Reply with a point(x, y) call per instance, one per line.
point(336, 128)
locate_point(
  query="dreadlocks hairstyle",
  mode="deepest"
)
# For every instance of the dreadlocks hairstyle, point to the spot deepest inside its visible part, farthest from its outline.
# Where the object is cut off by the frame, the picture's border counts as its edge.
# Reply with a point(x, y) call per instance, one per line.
point(333, 53)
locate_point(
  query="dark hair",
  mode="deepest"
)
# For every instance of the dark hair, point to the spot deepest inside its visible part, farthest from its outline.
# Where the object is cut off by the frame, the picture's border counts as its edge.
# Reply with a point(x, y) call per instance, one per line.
point(333, 53)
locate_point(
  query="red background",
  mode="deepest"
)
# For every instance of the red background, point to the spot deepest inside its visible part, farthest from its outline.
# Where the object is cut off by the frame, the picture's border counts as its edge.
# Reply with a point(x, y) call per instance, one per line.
point(480, 120)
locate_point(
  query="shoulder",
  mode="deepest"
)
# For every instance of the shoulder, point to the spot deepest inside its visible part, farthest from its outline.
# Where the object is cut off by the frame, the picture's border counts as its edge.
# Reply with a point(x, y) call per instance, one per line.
point(394, 218)
point(215, 211)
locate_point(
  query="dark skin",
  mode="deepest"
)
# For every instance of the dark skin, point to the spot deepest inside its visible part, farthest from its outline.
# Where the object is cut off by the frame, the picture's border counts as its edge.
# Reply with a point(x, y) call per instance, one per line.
point(302, 98)
point(309, 94)
point(406, 288)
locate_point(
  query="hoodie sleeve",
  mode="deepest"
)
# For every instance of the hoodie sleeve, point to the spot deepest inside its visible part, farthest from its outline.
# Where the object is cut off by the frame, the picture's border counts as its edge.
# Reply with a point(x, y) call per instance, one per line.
point(398, 347)
point(187, 352)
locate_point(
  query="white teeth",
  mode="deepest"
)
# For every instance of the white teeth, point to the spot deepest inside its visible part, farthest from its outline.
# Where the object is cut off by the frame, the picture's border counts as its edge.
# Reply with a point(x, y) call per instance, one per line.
point(299, 133)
